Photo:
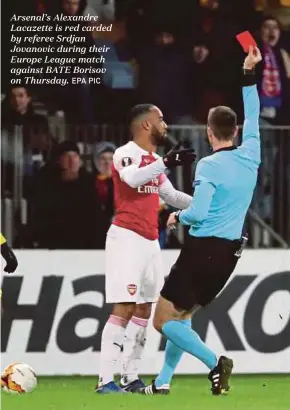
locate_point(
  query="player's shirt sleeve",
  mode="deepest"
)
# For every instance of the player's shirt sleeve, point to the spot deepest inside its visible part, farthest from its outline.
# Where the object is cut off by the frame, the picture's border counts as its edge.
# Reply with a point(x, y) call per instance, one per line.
point(251, 132)
point(204, 188)
point(131, 174)
point(171, 196)
point(2, 239)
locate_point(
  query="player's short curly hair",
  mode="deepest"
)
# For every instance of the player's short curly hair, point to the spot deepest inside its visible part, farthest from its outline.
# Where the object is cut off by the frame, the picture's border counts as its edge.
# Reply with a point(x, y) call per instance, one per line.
point(223, 122)
point(139, 110)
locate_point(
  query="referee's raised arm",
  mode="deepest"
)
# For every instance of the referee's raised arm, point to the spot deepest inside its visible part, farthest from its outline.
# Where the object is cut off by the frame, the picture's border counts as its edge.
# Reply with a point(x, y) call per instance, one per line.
point(251, 133)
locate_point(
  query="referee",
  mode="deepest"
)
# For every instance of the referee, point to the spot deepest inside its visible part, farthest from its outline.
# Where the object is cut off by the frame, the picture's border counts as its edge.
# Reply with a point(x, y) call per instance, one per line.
point(224, 185)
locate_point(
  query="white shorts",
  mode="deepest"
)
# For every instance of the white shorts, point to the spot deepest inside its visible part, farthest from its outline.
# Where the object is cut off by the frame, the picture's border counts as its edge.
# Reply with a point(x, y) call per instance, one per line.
point(134, 271)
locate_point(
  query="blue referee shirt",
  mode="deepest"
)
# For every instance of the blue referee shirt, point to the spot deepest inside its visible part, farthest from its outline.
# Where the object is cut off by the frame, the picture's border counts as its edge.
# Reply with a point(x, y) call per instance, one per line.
point(225, 181)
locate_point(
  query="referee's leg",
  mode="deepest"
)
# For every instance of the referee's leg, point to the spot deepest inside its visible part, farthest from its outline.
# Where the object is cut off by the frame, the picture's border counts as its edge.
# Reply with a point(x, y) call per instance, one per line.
point(182, 295)
point(175, 324)
point(168, 319)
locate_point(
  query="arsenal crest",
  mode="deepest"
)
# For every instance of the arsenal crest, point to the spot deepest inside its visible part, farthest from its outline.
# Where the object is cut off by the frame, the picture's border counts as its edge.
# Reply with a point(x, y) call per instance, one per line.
point(132, 289)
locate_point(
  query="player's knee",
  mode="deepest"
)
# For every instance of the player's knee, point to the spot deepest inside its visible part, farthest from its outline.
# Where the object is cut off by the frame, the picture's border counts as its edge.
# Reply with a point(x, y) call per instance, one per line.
point(143, 311)
point(124, 310)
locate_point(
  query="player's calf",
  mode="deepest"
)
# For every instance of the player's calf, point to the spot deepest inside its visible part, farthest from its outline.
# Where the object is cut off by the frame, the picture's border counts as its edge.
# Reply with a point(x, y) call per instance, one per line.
point(112, 341)
point(134, 343)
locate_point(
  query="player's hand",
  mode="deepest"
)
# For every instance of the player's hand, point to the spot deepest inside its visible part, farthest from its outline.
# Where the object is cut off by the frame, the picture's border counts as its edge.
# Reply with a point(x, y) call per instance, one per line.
point(177, 156)
point(253, 58)
point(171, 222)
point(10, 258)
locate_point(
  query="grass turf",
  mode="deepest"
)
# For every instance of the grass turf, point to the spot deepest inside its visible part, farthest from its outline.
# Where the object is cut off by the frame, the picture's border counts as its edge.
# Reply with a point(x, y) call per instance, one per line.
point(76, 393)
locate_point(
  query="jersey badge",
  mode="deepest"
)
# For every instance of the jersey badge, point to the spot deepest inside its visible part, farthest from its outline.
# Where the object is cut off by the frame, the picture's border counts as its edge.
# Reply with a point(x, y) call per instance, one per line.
point(126, 161)
point(132, 288)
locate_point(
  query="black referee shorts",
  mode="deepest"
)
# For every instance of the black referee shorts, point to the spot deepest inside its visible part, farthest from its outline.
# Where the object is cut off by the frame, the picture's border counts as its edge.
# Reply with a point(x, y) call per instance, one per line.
point(200, 272)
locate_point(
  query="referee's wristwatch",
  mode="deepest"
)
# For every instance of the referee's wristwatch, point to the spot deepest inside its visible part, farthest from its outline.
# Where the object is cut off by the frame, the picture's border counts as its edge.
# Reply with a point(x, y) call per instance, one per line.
point(177, 216)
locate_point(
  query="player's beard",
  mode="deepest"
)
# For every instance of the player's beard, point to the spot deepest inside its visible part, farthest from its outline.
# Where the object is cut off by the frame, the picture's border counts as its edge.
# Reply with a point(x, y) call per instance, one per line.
point(158, 139)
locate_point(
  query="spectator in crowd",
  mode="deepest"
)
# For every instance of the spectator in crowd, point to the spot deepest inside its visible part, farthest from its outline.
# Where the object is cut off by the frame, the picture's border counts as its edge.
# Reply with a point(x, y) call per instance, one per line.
point(274, 91)
point(71, 6)
point(280, 9)
point(32, 138)
point(65, 211)
point(77, 7)
point(166, 78)
point(136, 14)
point(105, 9)
point(217, 23)
point(103, 162)
point(146, 17)
point(239, 14)
point(76, 100)
point(274, 75)
point(17, 110)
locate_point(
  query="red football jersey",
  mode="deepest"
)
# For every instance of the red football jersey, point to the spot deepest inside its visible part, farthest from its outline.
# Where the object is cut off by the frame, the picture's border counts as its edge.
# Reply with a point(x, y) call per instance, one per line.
point(136, 208)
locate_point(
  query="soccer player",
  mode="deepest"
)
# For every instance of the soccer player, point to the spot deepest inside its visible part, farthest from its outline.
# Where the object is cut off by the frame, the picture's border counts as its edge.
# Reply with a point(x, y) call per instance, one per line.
point(224, 185)
point(134, 275)
point(9, 256)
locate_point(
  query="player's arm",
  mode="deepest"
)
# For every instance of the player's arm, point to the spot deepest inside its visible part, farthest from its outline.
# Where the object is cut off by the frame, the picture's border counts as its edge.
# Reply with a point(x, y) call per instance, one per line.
point(251, 132)
point(9, 256)
point(134, 176)
point(205, 187)
point(171, 196)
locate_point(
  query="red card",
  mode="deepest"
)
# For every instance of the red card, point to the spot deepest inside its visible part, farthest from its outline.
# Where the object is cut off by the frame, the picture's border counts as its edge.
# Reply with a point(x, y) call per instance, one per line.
point(246, 40)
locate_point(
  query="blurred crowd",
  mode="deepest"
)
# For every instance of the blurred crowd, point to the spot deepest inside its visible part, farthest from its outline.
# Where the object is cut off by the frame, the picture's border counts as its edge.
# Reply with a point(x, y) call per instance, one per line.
point(70, 205)
point(181, 56)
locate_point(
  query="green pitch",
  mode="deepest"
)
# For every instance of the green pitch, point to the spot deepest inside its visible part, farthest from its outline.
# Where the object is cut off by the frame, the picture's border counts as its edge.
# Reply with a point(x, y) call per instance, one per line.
point(188, 393)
